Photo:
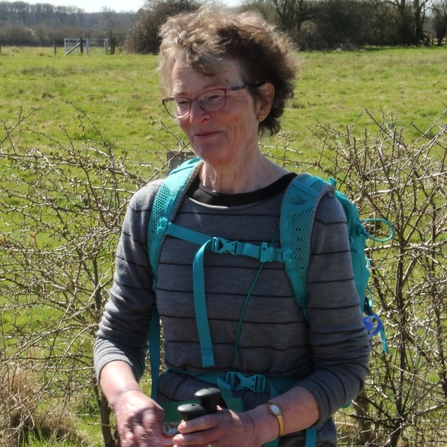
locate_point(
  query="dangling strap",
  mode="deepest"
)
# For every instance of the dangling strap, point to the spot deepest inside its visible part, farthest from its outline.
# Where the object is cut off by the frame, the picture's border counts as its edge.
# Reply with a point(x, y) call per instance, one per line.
point(154, 351)
point(206, 344)
point(379, 219)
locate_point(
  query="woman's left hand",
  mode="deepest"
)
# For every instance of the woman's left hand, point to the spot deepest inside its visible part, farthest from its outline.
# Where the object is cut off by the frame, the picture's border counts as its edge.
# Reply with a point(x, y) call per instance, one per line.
point(222, 429)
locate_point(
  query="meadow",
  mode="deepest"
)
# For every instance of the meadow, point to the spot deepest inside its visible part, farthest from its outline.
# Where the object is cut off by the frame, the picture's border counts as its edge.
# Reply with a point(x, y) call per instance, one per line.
point(59, 105)
point(120, 94)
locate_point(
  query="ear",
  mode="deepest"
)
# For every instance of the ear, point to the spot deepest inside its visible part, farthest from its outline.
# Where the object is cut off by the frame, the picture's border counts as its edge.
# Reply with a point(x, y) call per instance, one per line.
point(267, 93)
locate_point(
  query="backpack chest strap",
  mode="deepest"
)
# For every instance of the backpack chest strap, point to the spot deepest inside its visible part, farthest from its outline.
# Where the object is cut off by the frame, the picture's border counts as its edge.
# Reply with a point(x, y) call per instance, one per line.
point(263, 252)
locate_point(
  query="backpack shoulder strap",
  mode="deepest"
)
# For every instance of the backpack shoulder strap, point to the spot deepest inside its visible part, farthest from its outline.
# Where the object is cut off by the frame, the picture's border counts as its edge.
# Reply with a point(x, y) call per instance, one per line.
point(166, 204)
point(357, 239)
point(297, 215)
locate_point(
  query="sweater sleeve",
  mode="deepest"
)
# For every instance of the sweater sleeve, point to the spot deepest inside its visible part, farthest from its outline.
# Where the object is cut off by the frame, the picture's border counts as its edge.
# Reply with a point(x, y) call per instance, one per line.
point(123, 330)
point(339, 341)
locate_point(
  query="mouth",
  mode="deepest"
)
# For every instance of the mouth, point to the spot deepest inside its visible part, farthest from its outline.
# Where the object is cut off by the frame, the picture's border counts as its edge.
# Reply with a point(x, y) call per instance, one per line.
point(202, 135)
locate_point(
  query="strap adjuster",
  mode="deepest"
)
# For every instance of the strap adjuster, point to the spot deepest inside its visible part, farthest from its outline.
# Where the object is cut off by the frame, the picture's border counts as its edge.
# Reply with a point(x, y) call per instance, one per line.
point(239, 381)
point(162, 225)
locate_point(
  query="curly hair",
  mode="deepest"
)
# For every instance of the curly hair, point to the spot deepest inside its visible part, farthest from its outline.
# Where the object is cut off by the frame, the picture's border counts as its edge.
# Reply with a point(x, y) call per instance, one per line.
point(206, 39)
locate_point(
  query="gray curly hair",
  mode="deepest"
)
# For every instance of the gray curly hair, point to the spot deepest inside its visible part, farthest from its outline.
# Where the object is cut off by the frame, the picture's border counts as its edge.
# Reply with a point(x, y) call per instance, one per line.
point(204, 40)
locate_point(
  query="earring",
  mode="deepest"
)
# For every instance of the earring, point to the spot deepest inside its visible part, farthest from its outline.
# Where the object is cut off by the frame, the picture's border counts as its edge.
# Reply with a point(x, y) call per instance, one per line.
point(261, 118)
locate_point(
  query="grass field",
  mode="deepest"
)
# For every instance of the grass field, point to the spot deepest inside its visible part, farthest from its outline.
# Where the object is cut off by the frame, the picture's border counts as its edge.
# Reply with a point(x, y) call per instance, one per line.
point(120, 93)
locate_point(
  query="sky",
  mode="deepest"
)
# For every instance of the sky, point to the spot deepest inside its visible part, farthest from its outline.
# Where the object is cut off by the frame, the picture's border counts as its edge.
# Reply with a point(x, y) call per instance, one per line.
point(116, 5)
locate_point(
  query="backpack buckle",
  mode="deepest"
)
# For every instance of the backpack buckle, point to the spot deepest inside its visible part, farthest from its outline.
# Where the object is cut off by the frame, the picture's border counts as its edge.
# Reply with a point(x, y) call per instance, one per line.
point(220, 245)
point(266, 253)
point(287, 256)
point(162, 225)
point(239, 381)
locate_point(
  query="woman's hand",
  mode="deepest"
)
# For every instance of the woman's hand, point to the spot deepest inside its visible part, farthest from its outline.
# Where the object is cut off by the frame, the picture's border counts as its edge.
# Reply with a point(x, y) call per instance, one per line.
point(139, 421)
point(222, 429)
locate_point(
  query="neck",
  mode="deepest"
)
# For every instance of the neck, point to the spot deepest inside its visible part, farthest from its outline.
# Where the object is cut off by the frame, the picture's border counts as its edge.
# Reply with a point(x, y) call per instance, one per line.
point(241, 178)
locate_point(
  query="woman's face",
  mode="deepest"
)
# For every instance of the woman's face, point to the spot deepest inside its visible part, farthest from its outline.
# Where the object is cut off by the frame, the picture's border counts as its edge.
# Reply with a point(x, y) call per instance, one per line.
point(227, 136)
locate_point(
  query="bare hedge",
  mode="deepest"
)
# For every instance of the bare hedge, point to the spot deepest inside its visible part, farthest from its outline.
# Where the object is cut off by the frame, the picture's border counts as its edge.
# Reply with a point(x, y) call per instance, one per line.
point(62, 208)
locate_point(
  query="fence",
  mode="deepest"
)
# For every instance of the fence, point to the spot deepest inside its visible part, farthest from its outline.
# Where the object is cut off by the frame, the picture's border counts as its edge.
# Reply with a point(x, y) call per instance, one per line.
point(84, 44)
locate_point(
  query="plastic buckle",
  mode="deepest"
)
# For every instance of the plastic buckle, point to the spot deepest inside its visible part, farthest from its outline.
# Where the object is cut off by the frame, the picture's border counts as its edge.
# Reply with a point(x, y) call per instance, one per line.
point(255, 383)
point(219, 245)
point(373, 325)
point(162, 225)
point(266, 254)
point(287, 256)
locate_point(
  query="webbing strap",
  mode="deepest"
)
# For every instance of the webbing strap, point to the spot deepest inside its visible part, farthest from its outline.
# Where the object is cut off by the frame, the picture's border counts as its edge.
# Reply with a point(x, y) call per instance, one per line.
point(206, 344)
point(264, 253)
point(311, 437)
point(154, 354)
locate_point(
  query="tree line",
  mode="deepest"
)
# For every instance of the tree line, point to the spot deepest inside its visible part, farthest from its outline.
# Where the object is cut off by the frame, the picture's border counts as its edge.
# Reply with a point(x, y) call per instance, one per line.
point(312, 24)
point(319, 24)
point(41, 24)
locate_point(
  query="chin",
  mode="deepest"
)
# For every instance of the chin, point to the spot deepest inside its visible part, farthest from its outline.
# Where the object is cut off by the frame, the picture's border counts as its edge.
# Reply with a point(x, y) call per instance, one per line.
point(213, 156)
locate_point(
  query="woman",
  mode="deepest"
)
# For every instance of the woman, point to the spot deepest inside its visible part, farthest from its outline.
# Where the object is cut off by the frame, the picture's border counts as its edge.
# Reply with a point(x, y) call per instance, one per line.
point(227, 77)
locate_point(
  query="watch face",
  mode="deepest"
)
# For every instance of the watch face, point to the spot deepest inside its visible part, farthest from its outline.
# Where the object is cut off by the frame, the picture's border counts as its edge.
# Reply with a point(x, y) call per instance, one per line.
point(275, 409)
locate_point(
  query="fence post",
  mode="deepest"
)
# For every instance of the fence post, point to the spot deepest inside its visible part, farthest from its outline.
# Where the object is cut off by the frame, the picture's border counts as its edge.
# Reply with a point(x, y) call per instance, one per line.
point(54, 46)
point(111, 42)
point(80, 46)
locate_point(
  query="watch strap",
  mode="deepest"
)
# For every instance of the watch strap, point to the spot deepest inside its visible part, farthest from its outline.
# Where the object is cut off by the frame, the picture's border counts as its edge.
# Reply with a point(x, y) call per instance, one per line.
point(278, 415)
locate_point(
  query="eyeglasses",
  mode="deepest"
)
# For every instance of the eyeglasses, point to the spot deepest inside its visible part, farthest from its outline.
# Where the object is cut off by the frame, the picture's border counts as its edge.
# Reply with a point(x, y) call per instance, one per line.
point(210, 101)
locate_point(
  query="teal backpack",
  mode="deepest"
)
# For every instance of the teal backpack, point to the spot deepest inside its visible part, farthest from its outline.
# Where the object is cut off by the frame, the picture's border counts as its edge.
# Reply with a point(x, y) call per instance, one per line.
point(297, 213)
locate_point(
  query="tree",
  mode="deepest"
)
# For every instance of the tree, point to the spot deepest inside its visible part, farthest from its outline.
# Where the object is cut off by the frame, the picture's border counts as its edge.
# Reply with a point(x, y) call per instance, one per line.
point(143, 36)
point(439, 20)
point(293, 13)
point(410, 20)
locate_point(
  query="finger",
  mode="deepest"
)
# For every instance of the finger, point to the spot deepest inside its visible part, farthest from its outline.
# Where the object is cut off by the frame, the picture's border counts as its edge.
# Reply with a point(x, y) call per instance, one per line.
point(167, 441)
point(196, 439)
point(205, 422)
point(127, 438)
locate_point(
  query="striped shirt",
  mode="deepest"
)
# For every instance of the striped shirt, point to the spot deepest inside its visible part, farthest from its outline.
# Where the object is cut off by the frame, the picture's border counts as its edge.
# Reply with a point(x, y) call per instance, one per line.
point(328, 353)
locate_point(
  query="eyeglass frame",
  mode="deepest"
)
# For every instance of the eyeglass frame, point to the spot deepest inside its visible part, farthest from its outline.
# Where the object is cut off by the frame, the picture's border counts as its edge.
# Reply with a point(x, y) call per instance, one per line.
point(196, 99)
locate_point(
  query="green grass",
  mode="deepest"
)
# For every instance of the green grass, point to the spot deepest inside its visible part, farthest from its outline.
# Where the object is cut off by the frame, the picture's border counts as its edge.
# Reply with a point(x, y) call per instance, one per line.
point(120, 94)
point(336, 88)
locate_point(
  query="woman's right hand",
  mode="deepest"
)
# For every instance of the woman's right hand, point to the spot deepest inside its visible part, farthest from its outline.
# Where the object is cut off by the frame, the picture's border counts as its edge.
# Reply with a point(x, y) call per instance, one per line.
point(139, 419)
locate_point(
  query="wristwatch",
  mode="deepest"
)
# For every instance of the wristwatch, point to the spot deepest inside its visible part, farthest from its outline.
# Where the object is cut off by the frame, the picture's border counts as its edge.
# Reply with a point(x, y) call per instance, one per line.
point(276, 411)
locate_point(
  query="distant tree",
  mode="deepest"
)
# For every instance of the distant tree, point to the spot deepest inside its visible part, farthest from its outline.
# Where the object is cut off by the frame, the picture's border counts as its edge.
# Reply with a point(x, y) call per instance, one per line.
point(382, 24)
point(293, 13)
point(264, 7)
point(25, 24)
point(410, 20)
point(13, 34)
point(343, 23)
point(143, 36)
point(439, 20)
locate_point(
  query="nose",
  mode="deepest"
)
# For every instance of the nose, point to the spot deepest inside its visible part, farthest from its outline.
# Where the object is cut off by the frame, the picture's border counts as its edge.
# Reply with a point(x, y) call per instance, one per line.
point(197, 114)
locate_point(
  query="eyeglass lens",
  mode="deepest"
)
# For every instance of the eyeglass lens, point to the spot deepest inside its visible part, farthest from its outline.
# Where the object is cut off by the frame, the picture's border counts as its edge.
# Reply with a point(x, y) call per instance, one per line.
point(210, 101)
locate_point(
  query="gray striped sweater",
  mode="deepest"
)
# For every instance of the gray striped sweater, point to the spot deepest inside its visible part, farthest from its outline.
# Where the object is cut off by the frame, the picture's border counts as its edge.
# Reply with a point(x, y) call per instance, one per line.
point(328, 354)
